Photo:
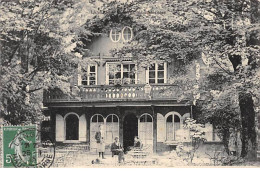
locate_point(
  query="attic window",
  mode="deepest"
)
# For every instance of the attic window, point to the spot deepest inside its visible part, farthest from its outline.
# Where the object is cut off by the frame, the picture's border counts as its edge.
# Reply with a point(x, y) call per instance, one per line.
point(127, 34)
point(115, 35)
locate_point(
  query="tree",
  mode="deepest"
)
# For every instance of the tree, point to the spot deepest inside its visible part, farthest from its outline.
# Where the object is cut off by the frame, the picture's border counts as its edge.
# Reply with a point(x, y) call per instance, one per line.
point(224, 34)
point(235, 43)
point(37, 52)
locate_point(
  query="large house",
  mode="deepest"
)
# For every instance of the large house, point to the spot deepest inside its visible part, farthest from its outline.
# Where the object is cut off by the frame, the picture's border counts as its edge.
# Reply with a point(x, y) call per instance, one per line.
point(127, 99)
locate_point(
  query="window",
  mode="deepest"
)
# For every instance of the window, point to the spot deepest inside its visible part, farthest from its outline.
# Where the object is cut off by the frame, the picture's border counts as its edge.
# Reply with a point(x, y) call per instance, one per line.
point(98, 118)
point(127, 34)
point(89, 75)
point(115, 35)
point(146, 118)
point(157, 73)
point(121, 74)
point(172, 125)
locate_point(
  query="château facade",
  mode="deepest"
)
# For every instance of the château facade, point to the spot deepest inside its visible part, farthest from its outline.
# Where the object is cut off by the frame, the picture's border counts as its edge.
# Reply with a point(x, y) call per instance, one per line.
point(127, 99)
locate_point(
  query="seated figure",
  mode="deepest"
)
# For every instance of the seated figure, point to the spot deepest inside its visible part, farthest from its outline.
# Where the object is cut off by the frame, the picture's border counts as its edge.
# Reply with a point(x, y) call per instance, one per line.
point(117, 149)
point(137, 142)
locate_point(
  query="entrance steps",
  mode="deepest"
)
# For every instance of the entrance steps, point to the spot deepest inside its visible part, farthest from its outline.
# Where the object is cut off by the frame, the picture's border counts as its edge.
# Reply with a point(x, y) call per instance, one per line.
point(73, 146)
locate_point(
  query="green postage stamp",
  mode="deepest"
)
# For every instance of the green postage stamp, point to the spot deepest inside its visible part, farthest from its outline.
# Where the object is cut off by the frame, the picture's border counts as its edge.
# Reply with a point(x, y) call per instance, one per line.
point(19, 146)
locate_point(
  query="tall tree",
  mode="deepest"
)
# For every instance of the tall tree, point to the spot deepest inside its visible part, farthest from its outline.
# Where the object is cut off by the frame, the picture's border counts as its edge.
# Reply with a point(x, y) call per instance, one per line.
point(36, 52)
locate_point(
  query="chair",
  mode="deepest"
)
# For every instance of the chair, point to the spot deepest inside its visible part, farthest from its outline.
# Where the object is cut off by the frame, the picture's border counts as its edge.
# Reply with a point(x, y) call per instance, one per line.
point(115, 161)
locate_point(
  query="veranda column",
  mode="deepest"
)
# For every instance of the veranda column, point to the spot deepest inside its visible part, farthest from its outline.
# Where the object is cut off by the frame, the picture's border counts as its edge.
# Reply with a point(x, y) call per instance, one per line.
point(87, 113)
point(154, 130)
point(120, 116)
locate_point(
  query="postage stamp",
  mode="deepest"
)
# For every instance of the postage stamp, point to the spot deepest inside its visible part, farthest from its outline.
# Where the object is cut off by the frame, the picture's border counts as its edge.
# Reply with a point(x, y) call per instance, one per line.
point(19, 148)
point(22, 148)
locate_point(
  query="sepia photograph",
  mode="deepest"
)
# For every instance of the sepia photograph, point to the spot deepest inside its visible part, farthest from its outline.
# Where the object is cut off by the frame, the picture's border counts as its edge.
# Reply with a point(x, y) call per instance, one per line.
point(130, 84)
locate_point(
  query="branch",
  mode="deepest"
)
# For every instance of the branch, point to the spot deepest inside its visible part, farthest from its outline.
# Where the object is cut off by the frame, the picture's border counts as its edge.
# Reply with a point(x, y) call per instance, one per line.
point(30, 91)
point(17, 47)
point(230, 73)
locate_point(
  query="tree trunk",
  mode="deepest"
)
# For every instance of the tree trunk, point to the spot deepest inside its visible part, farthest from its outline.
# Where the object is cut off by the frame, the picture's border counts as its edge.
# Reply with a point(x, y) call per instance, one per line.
point(225, 140)
point(248, 134)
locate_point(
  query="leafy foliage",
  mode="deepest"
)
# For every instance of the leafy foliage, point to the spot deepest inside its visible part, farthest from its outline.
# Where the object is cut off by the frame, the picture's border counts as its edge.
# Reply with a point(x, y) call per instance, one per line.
point(36, 53)
point(197, 138)
point(222, 34)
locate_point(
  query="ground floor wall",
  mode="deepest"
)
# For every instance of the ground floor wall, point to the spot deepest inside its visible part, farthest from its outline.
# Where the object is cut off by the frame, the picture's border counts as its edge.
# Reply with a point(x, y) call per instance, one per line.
point(159, 128)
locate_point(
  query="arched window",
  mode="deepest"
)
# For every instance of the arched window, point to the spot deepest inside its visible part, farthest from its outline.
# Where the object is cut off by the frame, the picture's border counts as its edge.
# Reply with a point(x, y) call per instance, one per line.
point(173, 122)
point(72, 127)
point(112, 128)
point(127, 33)
point(115, 35)
point(97, 118)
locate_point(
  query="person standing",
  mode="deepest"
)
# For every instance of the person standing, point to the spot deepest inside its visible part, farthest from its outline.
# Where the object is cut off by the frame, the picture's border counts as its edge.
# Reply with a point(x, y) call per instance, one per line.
point(100, 138)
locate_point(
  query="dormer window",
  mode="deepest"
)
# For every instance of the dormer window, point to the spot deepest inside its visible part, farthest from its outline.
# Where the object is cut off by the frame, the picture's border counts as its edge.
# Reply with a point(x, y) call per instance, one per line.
point(127, 33)
point(115, 35)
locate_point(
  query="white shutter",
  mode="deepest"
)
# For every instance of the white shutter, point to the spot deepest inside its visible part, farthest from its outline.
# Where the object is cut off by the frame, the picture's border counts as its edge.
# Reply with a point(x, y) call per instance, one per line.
point(160, 128)
point(165, 72)
point(82, 128)
point(59, 128)
point(107, 74)
point(79, 76)
point(147, 76)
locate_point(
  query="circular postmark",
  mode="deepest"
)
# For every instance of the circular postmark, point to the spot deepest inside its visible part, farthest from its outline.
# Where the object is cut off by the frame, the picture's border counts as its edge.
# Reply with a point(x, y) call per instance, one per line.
point(29, 150)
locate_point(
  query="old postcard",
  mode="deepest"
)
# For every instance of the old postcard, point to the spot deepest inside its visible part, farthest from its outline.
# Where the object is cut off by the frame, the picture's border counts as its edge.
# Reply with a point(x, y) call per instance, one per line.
point(129, 83)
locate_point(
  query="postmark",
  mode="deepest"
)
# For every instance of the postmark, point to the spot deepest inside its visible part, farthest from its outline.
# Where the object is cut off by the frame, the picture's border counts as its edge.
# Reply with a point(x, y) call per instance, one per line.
point(23, 148)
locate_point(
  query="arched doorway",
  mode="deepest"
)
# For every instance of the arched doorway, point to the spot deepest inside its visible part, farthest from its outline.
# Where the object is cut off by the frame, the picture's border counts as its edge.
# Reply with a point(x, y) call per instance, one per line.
point(112, 128)
point(145, 132)
point(130, 130)
point(173, 123)
point(72, 127)
point(95, 121)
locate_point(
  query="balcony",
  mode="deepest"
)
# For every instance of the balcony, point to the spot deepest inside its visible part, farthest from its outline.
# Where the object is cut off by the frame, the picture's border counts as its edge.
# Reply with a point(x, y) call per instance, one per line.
point(102, 93)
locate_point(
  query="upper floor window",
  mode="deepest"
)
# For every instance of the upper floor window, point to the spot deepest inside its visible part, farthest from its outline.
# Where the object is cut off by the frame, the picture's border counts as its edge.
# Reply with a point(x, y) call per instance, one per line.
point(127, 34)
point(115, 35)
point(89, 75)
point(121, 74)
point(157, 73)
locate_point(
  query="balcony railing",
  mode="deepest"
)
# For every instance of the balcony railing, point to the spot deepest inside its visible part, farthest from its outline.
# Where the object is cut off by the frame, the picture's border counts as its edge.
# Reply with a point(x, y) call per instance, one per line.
point(114, 93)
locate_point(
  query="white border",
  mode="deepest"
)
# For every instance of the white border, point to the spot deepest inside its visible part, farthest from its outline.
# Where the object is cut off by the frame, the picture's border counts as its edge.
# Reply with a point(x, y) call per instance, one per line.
point(110, 35)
